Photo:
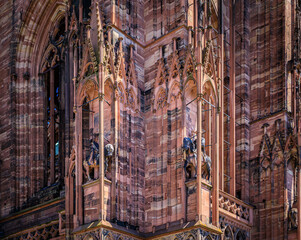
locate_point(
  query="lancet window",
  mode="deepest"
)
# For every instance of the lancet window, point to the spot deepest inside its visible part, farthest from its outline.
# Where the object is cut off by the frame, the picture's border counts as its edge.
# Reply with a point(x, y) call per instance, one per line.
point(52, 69)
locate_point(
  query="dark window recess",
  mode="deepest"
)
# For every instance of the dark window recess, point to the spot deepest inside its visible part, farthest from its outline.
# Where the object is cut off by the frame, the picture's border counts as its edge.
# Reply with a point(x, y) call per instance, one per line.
point(128, 7)
point(178, 43)
point(75, 4)
point(164, 54)
point(238, 194)
point(86, 8)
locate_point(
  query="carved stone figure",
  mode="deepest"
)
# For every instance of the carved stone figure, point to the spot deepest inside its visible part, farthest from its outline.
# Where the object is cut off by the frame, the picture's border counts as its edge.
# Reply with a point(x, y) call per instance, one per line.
point(109, 150)
point(190, 154)
point(92, 160)
point(293, 218)
point(206, 162)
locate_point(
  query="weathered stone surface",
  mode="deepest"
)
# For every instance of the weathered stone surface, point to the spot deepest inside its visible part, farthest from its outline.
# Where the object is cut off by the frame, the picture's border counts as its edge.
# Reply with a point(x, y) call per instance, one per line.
point(152, 71)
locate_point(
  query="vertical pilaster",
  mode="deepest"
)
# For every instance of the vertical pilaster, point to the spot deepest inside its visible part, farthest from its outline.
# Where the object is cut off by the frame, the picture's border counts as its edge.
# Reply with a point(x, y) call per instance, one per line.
point(101, 143)
point(299, 194)
point(232, 102)
point(221, 98)
point(199, 150)
point(52, 128)
point(299, 182)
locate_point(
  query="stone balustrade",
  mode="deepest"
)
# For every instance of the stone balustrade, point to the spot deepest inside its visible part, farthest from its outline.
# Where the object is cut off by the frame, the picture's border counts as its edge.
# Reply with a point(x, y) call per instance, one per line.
point(235, 208)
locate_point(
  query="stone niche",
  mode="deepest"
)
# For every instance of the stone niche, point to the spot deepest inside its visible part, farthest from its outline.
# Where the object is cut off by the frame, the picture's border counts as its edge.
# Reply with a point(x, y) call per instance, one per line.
point(91, 200)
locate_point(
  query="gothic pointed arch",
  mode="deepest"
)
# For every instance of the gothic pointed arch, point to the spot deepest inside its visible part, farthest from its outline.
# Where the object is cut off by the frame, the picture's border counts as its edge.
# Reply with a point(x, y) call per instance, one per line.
point(240, 235)
point(228, 233)
point(161, 75)
point(265, 152)
point(174, 67)
point(189, 70)
point(120, 65)
point(121, 92)
point(108, 61)
point(131, 74)
point(89, 65)
point(160, 99)
point(209, 85)
point(131, 98)
point(209, 62)
point(277, 150)
point(190, 237)
point(175, 91)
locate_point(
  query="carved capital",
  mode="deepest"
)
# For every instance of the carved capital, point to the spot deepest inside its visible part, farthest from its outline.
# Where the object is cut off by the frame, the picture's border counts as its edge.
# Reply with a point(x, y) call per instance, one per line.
point(101, 96)
point(200, 96)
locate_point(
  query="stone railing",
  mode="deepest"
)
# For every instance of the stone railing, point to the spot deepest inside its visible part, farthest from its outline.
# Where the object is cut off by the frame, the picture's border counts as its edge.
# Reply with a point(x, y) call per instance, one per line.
point(234, 208)
point(46, 231)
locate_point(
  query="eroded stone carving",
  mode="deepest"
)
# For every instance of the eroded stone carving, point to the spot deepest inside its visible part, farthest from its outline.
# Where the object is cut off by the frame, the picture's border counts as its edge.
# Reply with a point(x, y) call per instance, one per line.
point(190, 156)
point(206, 162)
point(293, 218)
point(92, 160)
point(91, 163)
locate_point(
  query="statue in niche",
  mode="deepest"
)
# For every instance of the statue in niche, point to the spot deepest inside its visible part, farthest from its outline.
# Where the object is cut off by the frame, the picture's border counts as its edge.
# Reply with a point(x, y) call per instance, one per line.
point(206, 166)
point(92, 160)
point(190, 156)
point(91, 164)
point(293, 218)
point(109, 150)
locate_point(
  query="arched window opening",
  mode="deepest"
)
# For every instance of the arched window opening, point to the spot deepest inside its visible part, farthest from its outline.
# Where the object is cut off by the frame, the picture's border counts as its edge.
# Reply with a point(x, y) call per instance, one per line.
point(240, 236)
point(208, 130)
point(86, 9)
point(88, 143)
point(228, 235)
point(53, 73)
point(54, 126)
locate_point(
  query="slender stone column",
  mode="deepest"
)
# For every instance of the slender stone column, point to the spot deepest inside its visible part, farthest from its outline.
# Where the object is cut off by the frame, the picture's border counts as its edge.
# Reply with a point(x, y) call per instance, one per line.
point(52, 129)
point(101, 143)
point(199, 126)
point(115, 158)
point(232, 102)
point(299, 182)
point(221, 98)
point(299, 194)
point(199, 152)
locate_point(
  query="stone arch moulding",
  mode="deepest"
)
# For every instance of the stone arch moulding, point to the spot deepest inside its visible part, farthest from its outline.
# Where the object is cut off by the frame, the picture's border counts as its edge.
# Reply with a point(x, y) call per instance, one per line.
point(83, 86)
point(228, 233)
point(209, 84)
point(160, 99)
point(121, 92)
point(46, 13)
point(189, 70)
point(174, 91)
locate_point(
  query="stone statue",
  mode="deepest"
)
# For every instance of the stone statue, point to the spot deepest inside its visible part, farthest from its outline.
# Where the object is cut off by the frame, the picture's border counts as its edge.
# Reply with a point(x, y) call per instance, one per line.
point(109, 150)
point(92, 160)
point(206, 162)
point(190, 156)
point(293, 218)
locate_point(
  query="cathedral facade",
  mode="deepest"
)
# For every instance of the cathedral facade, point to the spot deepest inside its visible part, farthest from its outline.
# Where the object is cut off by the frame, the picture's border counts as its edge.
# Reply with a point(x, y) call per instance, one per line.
point(159, 119)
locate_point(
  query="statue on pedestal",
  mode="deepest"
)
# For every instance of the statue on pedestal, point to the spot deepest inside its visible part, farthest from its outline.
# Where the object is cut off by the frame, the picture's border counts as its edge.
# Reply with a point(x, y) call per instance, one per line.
point(92, 160)
point(91, 163)
point(190, 157)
